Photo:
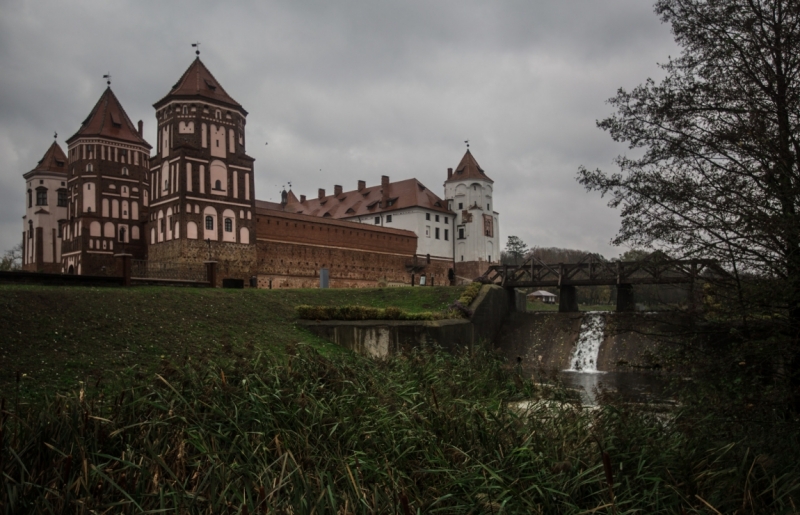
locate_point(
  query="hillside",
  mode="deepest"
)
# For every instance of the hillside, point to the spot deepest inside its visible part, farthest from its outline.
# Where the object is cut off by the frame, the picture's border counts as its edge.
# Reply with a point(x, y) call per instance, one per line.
point(55, 337)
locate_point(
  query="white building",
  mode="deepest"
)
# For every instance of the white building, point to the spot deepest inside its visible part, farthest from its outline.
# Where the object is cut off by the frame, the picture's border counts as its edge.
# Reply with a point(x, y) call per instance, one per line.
point(46, 200)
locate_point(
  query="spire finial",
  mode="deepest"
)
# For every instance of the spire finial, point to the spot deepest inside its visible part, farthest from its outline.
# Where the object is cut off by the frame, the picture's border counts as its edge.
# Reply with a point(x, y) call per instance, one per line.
point(197, 47)
point(467, 142)
point(55, 135)
point(107, 76)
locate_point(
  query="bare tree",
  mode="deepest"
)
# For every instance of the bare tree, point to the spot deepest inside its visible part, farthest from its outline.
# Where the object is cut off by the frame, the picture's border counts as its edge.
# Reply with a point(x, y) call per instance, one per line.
point(12, 259)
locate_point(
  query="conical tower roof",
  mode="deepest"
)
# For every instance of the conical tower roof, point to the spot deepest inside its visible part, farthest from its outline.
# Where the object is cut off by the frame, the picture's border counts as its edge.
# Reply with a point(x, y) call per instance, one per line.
point(469, 168)
point(197, 82)
point(109, 120)
point(54, 160)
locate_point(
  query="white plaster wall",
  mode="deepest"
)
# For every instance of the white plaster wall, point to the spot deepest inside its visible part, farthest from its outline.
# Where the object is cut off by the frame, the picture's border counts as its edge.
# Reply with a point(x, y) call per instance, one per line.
point(46, 217)
point(413, 220)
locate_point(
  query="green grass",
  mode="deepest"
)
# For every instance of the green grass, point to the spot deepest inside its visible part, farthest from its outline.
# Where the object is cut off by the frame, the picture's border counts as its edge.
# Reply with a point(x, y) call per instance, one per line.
point(425, 432)
point(55, 337)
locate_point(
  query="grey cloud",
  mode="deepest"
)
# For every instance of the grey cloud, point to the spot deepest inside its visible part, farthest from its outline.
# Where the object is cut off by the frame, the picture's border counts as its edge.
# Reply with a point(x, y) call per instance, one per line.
point(355, 88)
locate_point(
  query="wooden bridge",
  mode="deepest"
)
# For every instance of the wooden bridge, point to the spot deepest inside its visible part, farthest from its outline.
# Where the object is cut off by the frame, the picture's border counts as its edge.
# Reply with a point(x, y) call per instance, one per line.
point(593, 270)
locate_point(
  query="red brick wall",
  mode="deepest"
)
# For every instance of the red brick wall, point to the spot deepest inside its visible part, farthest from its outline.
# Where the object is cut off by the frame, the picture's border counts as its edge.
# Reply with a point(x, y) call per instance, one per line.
point(295, 228)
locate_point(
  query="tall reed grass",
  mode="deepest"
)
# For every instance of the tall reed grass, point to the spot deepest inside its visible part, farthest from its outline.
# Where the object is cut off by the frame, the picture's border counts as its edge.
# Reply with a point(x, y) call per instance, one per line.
point(421, 433)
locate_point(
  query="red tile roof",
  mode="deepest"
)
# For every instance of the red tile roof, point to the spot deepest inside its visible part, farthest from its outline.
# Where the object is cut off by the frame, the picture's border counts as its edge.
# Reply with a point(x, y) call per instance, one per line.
point(198, 82)
point(109, 120)
point(369, 201)
point(54, 160)
point(469, 168)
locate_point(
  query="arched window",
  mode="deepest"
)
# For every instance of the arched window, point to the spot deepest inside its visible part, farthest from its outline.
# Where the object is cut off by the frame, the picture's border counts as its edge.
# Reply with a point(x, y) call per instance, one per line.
point(228, 225)
point(218, 114)
point(218, 185)
point(185, 110)
point(30, 229)
point(89, 167)
point(124, 170)
point(210, 223)
point(122, 234)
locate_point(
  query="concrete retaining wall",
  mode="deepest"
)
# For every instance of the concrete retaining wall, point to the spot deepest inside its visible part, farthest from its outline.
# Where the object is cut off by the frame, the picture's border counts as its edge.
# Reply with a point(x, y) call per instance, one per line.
point(547, 340)
point(380, 338)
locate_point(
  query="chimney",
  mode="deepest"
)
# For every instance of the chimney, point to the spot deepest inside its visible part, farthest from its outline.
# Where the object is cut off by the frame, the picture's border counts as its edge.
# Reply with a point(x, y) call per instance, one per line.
point(384, 189)
point(321, 193)
point(302, 198)
point(141, 128)
point(449, 173)
point(337, 190)
point(362, 185)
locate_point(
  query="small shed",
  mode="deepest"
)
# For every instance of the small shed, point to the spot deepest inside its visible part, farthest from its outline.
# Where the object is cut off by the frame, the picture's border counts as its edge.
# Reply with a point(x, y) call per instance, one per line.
point(543, 296)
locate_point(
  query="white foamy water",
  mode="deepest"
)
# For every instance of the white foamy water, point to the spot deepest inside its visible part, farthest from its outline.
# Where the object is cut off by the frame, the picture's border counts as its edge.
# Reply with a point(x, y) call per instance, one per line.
point(584, 357)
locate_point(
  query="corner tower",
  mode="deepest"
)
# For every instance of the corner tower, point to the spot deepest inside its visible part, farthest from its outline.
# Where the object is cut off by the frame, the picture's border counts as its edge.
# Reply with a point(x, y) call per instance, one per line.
point(201, 178)
point(45, 212)
point(107, 191)
point(469, 192)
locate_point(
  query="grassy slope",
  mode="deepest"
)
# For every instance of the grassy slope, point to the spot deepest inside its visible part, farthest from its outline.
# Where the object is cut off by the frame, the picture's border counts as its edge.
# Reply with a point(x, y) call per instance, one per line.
point(58, 336)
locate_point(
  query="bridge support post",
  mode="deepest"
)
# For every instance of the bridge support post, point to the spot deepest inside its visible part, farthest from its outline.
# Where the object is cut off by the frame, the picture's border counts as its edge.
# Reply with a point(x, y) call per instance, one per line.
point(567, 299)
point(625, 299)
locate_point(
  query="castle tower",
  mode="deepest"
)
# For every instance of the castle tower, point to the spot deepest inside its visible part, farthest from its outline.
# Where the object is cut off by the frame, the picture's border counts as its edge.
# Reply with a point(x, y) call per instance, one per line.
point(202, 182)
point(108, 191)
point(468, 191)
point(45, 211)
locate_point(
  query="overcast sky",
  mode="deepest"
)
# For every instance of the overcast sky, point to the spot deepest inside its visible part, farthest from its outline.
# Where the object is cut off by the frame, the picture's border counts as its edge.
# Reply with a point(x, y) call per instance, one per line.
point(348, 90)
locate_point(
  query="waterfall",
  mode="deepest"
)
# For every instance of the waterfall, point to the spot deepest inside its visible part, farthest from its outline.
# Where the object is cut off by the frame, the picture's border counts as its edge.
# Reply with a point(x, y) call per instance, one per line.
point(584, 357)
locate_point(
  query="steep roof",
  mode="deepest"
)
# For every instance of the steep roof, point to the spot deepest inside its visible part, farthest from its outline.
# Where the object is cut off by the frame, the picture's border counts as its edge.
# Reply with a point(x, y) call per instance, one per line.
point(109, 120)
point(468, 168)
point(369, 201)
point(198, 82)
point(54, 160)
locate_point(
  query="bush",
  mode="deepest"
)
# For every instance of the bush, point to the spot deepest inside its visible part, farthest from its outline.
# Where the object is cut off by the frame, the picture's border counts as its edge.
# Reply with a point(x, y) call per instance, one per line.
point(470, 294)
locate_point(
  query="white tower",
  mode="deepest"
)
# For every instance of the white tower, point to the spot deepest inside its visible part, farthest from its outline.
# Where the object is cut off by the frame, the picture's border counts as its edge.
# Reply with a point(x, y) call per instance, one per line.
point(469, 192)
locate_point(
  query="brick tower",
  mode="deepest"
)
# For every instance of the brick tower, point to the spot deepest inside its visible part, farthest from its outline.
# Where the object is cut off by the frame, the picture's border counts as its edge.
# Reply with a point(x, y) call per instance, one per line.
point(107, 189)
point(45, 212)
point(202, 184)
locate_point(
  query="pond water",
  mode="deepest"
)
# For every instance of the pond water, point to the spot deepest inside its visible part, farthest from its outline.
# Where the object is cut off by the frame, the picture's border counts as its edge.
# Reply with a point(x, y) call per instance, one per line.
point(636, 387)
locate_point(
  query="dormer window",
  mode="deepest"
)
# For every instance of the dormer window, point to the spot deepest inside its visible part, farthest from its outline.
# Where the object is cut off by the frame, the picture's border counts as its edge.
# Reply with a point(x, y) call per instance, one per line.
point(115, 120)
point(210, 85)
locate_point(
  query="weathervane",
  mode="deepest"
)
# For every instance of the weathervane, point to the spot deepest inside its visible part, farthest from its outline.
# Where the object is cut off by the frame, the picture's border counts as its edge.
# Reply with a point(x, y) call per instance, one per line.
point(197, 46)
point(467, 142)
point(55, 135)
point(107, 76)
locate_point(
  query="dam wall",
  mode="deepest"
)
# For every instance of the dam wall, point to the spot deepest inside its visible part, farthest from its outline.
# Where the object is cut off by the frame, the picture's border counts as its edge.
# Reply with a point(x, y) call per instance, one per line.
point(546, 340)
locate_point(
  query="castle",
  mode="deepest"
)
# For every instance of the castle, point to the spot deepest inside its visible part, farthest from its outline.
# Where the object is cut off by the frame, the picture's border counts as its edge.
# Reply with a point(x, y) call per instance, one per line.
point(193, 200)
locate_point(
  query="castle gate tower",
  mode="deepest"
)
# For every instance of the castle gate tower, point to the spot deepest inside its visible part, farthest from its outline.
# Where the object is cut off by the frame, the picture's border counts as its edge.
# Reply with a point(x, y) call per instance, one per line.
point(108, 191)
point(46, 200)
point(202, 185)
point(468, 192)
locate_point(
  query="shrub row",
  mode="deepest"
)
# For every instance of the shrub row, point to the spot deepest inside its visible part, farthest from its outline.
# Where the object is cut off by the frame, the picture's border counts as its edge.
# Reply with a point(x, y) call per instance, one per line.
point(367, 313)
point(470, 294)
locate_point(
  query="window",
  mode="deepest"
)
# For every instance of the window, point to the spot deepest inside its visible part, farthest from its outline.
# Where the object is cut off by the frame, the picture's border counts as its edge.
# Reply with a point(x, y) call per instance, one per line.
point(437, 218)
point(460, 233)
point(388, 219)
point(228, 225)
point(30, 198)
point(63, 199)
point(490, 259)
point(122, 234)
point(218, 115)
point(185, 110)
point(89, 167)
point(161, 225)
point(210, 223)
point(60, 230)
point(41, 197)
point(460, 205)
point(218, 183)
point(30, 229)
point(437, 233)
point(377, 220)
point(462, 258)
point(446, 235)
point(488, 208)
point(447, 221)
point(428, 231)
point(124, 171)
